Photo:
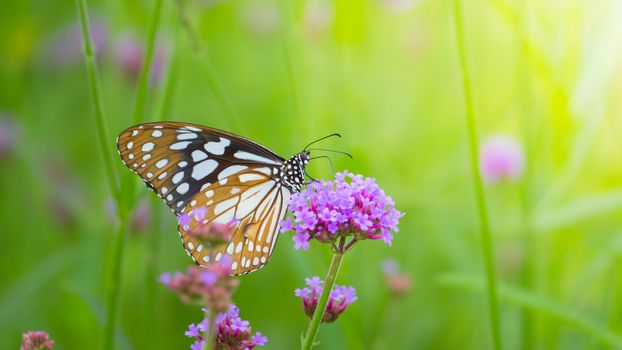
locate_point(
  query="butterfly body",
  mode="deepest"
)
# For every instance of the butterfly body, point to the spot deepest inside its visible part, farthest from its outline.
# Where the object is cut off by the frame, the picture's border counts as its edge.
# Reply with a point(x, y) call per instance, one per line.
point(236, 180)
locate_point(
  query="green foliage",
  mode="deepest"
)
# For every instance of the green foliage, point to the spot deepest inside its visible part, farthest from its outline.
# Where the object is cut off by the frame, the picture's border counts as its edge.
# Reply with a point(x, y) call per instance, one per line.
point(547, 73)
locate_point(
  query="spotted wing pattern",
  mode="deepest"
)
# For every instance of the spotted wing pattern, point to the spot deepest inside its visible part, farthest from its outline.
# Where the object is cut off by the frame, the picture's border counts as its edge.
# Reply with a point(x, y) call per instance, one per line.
point(191, 166)
point(254, 204)
point(178, 160)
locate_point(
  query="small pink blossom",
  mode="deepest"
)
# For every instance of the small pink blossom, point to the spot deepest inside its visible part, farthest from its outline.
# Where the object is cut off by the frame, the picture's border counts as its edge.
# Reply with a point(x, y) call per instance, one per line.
point(501, 157)
point(37, 340)
point(339, 299)
point(232, 332)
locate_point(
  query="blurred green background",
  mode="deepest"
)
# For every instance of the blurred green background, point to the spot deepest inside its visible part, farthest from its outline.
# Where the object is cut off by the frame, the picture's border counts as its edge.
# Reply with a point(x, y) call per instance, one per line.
point(385, 74)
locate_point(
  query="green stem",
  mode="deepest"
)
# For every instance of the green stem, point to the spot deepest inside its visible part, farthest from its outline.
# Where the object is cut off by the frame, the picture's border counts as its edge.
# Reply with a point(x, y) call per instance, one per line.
point(210, 334)
point(143, 80)
point(93, 76)
point(314, 326)
point(103, 136)
point(114, 285)
point(486, 236)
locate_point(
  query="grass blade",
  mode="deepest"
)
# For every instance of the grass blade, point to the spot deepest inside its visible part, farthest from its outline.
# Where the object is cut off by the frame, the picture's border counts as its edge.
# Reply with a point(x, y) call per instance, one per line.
point(485, 235)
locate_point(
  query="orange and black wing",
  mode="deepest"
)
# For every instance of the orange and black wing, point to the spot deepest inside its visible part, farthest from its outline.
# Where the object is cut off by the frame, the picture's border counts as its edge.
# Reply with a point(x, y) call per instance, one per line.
point(191, 166)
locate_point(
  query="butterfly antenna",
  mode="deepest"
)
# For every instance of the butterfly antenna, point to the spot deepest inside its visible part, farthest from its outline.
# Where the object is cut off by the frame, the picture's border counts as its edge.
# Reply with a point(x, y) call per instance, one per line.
point(311, 178)
point(320, 139)
point(331, 150)
point(332, 169)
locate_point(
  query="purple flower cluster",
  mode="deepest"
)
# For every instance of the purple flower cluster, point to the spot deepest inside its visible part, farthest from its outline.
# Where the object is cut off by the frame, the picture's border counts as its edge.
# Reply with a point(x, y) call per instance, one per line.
point(211, 285)
point(351, 205)
point(232, 332)
point(210, 234)
point(37, 340)
point(339, 300)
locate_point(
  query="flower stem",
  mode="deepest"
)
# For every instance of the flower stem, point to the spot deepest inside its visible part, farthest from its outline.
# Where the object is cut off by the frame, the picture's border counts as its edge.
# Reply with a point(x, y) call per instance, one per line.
point(141, 92)
point(114, 283)
point(486, 236)
point(314, 326)
point(112, 292)
point(210, 334)
point(93, 75)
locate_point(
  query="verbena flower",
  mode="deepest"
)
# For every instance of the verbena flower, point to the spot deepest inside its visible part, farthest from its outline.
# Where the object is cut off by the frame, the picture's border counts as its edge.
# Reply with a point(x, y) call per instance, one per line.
point(129, 54)
point(37, 340)
point(501, 157)
point(211, 285)
point(232, 332)
point(397, 282)
point(210, 234)
point(339, 300)
point(350, 206)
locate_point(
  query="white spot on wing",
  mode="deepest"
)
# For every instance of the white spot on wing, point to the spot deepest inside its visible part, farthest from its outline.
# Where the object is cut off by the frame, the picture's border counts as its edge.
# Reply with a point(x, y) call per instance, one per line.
point(156, 133)
point(177, 177)
point(198, 156)
point(180, 145)
point(161, 163)
point(266, 171)
point(130, 145)
point(204, 168)
point(253, 157)
point(230, 171)
point(147, 147)
point(217, 148)
point(183, 188)
point(187, 136)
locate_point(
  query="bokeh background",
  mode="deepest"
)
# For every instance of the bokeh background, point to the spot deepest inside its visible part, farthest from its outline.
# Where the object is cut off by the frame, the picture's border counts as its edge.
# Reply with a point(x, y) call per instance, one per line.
point(547, 82)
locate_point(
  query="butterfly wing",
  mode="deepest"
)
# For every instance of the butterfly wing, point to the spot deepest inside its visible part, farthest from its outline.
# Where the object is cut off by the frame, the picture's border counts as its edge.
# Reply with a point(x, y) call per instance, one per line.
point(255, 204)
point(178, 160)
point(191, 166)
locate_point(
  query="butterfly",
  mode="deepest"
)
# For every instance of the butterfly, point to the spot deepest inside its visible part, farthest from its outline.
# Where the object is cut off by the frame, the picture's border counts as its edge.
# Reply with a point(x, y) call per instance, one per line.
point(239, 181)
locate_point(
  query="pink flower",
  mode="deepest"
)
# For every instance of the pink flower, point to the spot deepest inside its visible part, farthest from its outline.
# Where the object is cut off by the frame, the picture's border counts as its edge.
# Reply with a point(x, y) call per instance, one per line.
point(128, 52)
point(501, 157)
point(350, 206)
point(38, 340)
point(339, 299)
point(232, 332)
point(210, 285)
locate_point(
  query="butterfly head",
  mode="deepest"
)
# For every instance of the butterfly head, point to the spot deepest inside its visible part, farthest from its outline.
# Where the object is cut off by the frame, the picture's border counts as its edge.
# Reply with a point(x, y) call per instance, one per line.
point(293, 171)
